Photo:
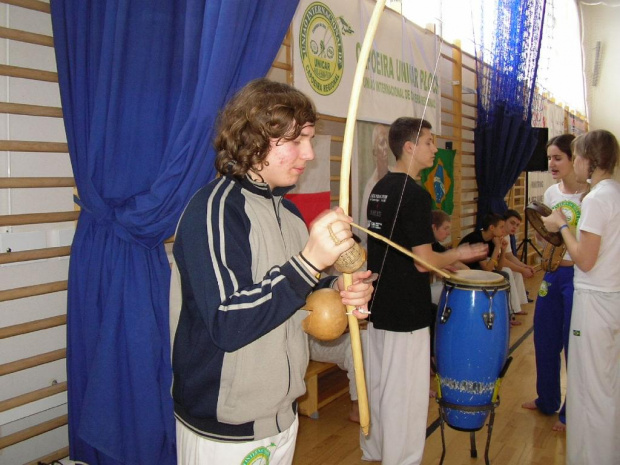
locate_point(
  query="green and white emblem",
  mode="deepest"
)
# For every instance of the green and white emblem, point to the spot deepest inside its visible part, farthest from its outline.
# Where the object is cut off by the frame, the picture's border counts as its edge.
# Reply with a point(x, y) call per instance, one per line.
point(544, 289)
point(321, 49)
point(259, 456)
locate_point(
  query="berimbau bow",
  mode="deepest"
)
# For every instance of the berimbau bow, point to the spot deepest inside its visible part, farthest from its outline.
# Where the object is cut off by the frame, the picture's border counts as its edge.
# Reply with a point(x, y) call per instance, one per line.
point(345, 174)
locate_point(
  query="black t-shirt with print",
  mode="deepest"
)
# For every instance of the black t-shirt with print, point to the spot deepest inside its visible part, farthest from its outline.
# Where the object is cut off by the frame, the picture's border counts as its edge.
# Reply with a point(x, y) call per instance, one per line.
point(475, 237)
point(402, 298)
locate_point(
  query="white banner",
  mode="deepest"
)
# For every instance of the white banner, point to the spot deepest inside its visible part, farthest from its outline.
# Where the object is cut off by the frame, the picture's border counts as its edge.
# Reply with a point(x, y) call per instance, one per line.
point(538, 182)
point(554, 116)
point(400, 76)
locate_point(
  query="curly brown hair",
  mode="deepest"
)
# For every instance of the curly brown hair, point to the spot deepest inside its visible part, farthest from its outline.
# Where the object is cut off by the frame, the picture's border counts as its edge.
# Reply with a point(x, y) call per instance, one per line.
point(260, 111)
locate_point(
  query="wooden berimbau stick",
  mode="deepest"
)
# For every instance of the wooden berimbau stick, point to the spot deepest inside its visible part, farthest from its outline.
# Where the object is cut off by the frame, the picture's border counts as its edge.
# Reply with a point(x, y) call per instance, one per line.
point(402, 249)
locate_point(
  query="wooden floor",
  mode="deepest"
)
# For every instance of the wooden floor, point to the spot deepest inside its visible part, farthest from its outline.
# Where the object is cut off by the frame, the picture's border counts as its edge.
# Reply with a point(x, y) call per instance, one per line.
point(519, 436)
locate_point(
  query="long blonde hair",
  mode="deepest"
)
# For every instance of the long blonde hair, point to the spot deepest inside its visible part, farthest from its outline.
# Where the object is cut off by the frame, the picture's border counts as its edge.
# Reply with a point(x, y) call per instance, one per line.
point(600, 148)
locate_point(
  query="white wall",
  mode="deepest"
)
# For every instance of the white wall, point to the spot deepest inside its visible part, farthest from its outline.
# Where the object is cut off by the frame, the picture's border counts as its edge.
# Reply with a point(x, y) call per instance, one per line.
point(602, 23)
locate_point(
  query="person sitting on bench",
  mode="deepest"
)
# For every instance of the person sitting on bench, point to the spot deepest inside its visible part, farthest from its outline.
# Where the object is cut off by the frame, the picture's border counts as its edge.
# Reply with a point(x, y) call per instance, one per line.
point(339, 352)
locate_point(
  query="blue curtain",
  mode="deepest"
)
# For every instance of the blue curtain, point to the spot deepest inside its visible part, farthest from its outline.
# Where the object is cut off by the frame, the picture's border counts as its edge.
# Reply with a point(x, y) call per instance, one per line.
point(507, 62)
point(141, 83)
point(502, 151)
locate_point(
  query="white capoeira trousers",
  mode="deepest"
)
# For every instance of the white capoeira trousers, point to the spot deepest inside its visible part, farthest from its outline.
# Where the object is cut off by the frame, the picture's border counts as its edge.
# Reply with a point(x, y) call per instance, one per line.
point(339, 352)
point(397, 367)
point(518, 296)
point(193, 449)
point(593, 390)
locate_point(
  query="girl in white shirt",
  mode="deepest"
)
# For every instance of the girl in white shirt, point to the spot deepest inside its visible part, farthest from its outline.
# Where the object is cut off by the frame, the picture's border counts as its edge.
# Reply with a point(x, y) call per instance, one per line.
point(554, 303)
point(593, 391)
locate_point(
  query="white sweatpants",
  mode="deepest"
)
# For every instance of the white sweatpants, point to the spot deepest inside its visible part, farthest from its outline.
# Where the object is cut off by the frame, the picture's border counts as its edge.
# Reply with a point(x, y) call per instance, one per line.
point(397, 371)
point(593, 390)
point(339, 352)
point(193, 449)
point(518, 296)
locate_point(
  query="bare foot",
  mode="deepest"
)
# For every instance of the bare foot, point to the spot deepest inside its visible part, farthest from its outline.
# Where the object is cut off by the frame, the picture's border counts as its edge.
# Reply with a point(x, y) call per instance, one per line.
point(531, 405)
point(354, 412)
point(559, 426)
point(432, 394)
point(522, 313)
point(515, 323)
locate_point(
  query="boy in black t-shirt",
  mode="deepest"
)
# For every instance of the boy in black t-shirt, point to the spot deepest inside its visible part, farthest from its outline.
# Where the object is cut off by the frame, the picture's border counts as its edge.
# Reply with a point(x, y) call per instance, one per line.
point(398, 348)
point(492, 234)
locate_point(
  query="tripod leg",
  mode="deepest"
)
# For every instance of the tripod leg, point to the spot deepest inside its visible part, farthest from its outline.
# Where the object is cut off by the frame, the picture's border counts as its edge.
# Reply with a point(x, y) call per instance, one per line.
point(443, 439)
point(472, 441)
point(523, 256)
point(524, 244)
point(489, 432)
point(540, 254)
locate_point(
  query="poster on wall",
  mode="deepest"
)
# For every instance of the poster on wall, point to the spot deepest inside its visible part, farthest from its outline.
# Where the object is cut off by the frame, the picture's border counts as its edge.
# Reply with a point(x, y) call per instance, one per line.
point(554, 118)
point(576, 125)
point(371, 161)
point(538, 182)
point(400, 79)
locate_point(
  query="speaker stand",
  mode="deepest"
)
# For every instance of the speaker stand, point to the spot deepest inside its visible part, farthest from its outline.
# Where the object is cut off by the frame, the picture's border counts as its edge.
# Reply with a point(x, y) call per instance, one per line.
point(527, 241)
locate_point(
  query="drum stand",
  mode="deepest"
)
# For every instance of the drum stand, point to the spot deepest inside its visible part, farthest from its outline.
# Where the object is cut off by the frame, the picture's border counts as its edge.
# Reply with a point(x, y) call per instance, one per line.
point(469, 408)
point(526, 240)
point(524, 244)
point(472, 434)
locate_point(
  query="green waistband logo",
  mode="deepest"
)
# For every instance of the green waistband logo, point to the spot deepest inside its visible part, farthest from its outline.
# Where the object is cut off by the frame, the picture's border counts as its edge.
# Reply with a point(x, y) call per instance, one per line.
point(259, 456)
point(544, 289)
point(321, 49)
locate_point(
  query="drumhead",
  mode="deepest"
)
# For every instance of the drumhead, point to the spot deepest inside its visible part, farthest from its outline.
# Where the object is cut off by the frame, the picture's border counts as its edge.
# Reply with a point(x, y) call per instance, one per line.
point(476, 277)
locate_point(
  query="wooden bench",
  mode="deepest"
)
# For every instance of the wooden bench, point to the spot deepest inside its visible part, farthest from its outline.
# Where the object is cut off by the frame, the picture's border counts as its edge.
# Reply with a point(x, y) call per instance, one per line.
point(310, 403)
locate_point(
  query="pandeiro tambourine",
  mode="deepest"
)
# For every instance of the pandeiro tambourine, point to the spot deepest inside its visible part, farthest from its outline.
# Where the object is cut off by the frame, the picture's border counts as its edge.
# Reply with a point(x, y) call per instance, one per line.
point(552, 256)
point(534, 212)
point(555, 248)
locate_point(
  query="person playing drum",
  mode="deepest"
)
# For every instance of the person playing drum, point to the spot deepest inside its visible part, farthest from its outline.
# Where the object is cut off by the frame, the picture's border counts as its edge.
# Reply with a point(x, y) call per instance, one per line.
point(397, 360)
point(555, 296)
point(492, 233)
point(594, 365)
point(519, 269)
point(442, 228)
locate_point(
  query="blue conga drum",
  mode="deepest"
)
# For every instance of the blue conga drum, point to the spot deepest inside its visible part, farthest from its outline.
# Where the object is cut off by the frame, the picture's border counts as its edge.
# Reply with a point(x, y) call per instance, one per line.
point(471, 345)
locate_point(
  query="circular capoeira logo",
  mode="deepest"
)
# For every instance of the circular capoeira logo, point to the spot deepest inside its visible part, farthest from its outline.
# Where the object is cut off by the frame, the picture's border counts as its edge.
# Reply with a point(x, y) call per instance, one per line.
point(259, 456)
point(571, 211)
point(320, 47)
point(544, 289)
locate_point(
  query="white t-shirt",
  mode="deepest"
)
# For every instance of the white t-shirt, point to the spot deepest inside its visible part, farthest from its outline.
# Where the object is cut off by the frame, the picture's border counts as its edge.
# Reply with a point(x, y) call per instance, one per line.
point(601, 215)
point(570, 205)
